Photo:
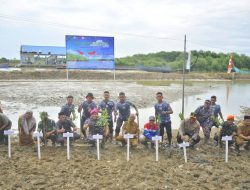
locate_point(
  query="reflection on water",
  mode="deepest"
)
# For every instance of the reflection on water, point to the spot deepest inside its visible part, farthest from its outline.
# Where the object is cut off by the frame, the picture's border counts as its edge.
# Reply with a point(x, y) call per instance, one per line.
point(229, 95)
point(10, 69)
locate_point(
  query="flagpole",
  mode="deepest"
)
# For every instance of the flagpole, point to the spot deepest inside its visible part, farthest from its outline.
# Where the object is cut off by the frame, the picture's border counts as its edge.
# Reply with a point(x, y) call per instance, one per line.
point(183, 75)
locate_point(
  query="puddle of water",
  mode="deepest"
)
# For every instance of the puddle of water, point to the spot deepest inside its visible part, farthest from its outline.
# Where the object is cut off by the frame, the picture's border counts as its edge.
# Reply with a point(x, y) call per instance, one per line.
point(10, 69)
point(229, 95)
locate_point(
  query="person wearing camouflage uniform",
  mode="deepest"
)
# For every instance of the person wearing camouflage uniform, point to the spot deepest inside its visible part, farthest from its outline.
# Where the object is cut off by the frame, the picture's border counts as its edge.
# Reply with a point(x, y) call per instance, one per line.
point(48, 128)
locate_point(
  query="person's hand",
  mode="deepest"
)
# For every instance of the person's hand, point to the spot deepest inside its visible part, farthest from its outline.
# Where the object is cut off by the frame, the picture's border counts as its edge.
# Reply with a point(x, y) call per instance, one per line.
point(248, 137)
point(182, 137)
point(62, 130)
point(74, 129)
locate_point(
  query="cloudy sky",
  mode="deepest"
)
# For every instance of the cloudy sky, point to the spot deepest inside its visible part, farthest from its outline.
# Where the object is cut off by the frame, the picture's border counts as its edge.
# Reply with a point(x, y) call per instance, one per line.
point(139, 26)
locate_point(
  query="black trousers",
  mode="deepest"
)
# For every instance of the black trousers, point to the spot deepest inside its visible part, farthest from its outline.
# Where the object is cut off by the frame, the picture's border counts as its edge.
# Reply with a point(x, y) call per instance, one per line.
point(168, 128)
point(119, 123)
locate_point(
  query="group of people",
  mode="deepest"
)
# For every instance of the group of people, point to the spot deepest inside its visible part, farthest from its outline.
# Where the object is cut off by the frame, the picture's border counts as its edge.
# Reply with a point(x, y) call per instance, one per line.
point(100, 118)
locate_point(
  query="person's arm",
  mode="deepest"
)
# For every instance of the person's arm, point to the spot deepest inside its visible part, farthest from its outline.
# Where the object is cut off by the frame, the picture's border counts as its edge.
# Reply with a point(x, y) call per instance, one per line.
point(197, 111)
point(73, 113)
point(59, 129)
point(53, 127)
point(133, 105)
point(240, 132)
point(196, 130)
point(181, 129)
point(33, 128)
point(220, 114)
point(169, 111)
point(80, 108)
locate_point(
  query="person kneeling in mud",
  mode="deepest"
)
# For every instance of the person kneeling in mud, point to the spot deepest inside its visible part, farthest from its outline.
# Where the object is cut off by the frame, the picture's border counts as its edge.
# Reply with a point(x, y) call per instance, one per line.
point(5, 124)
point(228, 128)
point(151, 129)
point(26, 127)
point(243, 135)
point(130, 127)
point(48, 128)
point(189, 127)
point(95, 126)
point(64, 125)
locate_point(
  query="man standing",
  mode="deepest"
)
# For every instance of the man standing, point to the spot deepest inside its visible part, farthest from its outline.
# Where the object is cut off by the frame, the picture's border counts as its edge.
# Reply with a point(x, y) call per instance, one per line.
point(130, 127)
point(86, 106)
point(151, 129)
point(216, 110)
point(48, 128)
point(189, 127)
point(203, 115)
point(162, 113)
point(69, 108)
point(26, 127)
point(123, 106)
point(5, 124)
point(64, 125)
point(108, 106)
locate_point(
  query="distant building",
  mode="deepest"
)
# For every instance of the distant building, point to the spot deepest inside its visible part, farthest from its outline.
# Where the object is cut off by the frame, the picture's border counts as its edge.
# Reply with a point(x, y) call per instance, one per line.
point(42, 55)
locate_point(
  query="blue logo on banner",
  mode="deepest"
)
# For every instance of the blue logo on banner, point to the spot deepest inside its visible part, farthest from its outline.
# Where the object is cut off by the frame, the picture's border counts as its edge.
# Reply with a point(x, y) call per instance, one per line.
point(90, 52)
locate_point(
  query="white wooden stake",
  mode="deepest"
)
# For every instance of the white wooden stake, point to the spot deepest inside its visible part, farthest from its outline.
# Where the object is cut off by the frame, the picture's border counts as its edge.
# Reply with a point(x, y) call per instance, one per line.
point(38, 135)
point(128, 136)
point(68, 135)
point(184, 145)
point(227, 138)
point(9, 133)
point(157, 139)
point(98, 137)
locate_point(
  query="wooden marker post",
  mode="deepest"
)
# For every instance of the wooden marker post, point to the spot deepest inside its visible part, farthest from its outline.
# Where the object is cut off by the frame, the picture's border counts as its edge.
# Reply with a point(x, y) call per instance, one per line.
point(68, 135)
point(157, 139)
point(38, 135)
point(184, 145)
point(98, 137)
point(226, 138)
point(9, 133)
point(128, 137)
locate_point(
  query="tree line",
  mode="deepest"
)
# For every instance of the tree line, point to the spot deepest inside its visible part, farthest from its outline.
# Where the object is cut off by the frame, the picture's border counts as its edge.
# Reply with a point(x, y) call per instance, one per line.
point(202, 61)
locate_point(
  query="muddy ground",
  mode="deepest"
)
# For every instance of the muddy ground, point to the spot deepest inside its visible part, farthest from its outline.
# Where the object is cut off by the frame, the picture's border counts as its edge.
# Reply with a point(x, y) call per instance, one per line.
point(205, 169)
point(54, 93)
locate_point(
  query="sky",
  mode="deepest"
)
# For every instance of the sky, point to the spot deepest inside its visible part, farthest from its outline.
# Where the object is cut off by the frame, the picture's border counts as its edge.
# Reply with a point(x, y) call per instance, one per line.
point(139, 26)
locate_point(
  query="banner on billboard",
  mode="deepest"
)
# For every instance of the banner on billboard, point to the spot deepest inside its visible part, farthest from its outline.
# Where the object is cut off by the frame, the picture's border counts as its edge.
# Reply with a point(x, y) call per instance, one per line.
point(90, 52)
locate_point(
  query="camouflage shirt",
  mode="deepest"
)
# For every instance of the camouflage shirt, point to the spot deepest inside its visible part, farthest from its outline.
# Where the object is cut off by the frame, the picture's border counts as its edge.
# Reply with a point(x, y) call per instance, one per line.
point(47, 126)
point(227, 129)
